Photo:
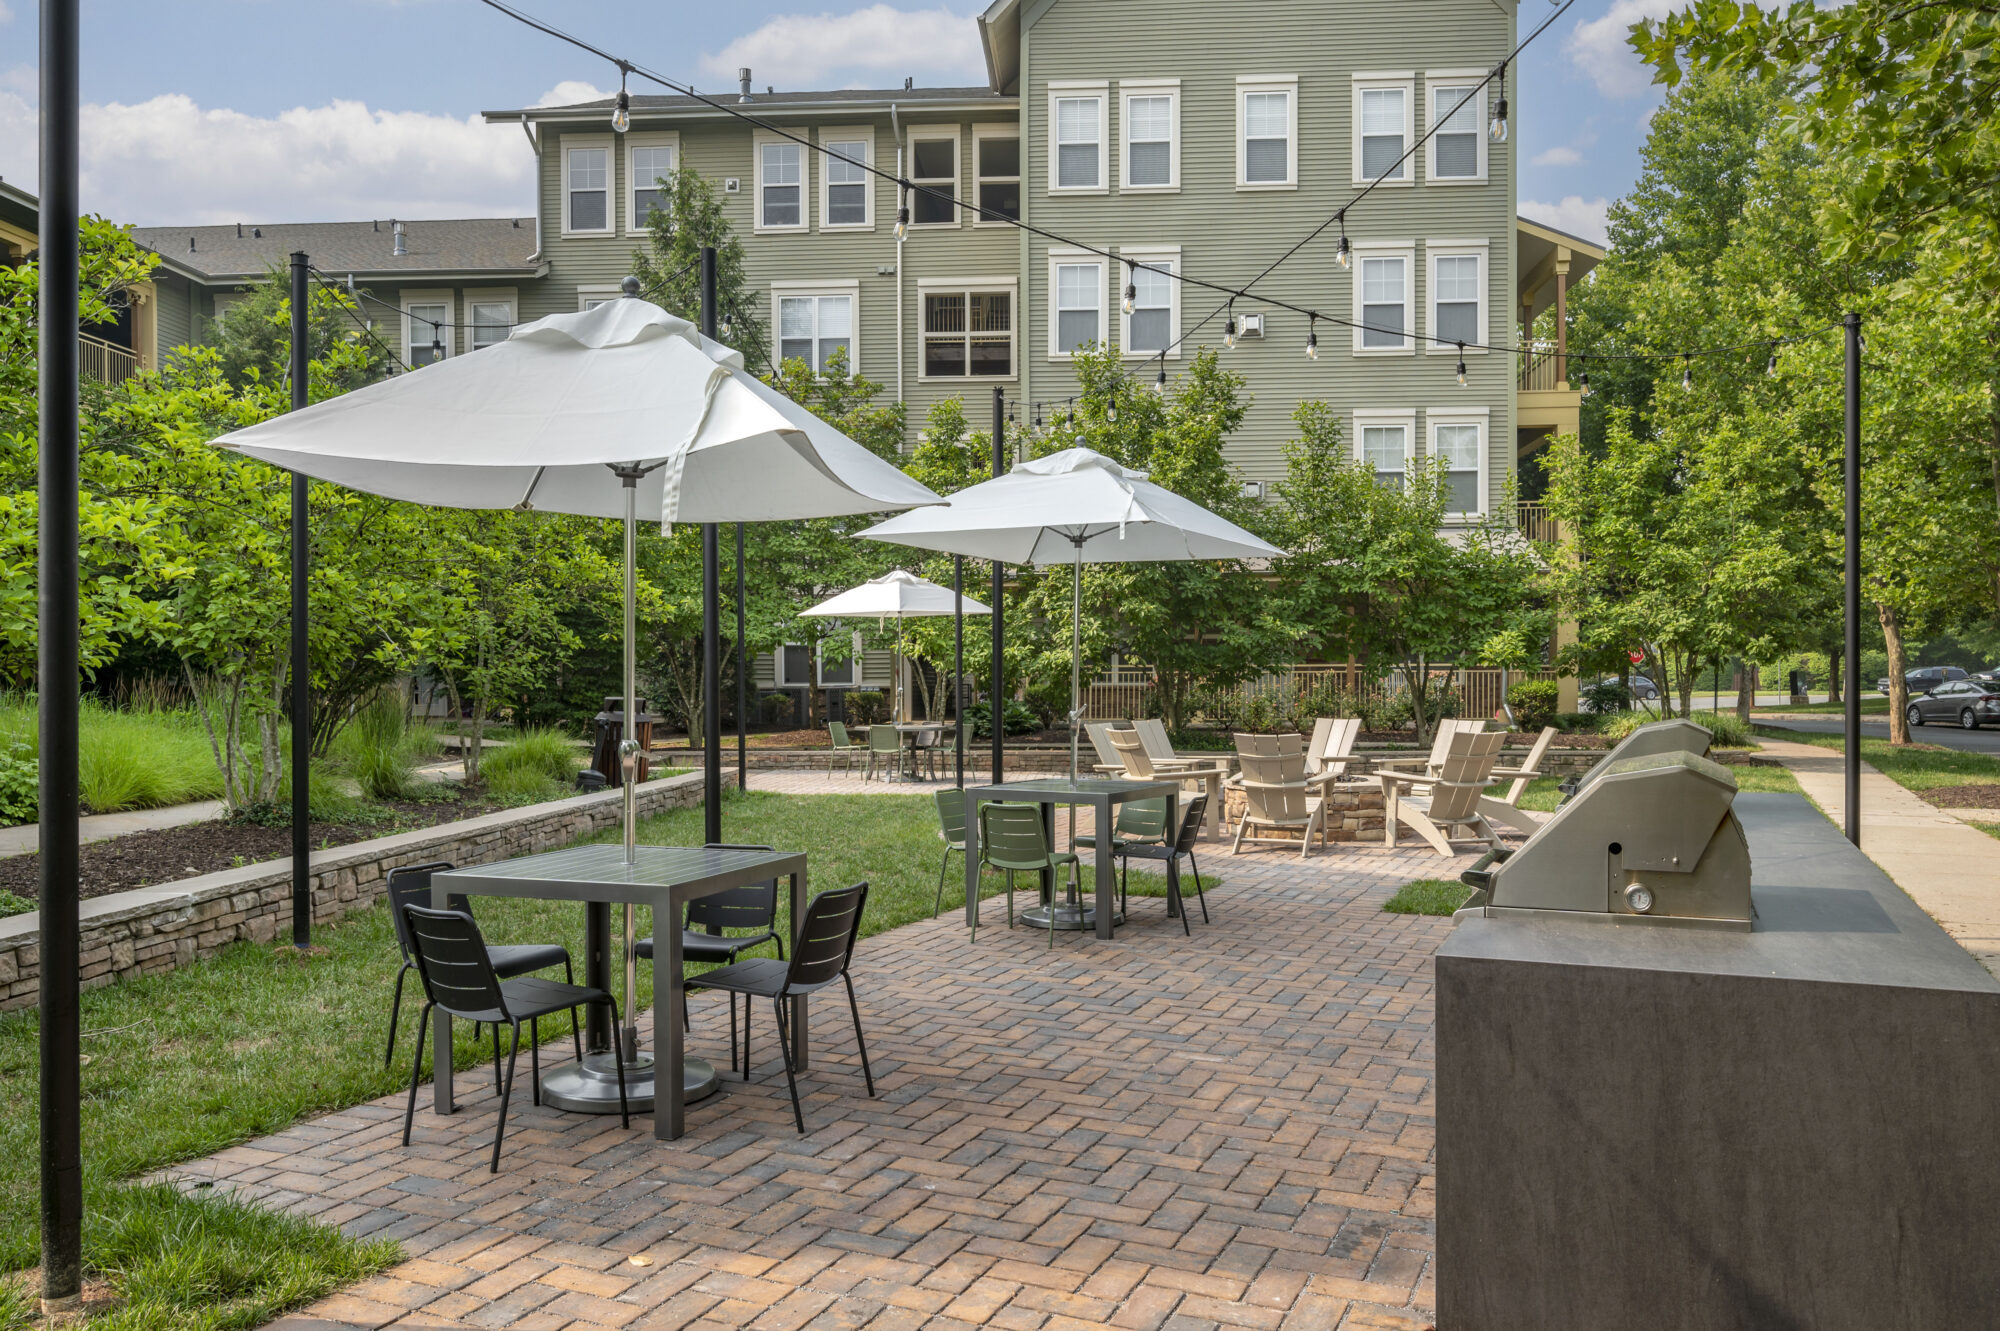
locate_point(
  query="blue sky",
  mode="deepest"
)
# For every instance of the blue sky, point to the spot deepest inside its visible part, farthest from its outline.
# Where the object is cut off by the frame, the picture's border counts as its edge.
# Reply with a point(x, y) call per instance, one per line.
point(257, 110)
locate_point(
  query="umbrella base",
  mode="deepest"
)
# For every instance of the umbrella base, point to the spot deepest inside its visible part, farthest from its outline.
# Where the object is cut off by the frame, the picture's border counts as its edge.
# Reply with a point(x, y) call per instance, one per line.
point(1068, 917)
point(591, 1087)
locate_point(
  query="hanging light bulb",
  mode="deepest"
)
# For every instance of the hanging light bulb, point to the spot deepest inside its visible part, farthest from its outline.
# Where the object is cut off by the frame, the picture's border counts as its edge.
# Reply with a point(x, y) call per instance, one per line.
point(1131, 286)
point(1344, 256)
point(1038, 415)
point(1312, 337)
point(903, 215)
point(621, 115)
point(1771, 365)
point(1111, 411)
point(1583, 379)
point(1229, 328)
point(1497, 128)
point(437, 343)
point(1687, 373)
point(1461, 365)
point(1160, 384)
point(728, 329)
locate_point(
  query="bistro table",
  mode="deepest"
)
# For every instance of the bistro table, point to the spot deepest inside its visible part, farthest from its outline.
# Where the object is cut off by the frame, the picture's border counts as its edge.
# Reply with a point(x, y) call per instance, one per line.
point(1101, 794)
point(665, 878)
point(910, 730)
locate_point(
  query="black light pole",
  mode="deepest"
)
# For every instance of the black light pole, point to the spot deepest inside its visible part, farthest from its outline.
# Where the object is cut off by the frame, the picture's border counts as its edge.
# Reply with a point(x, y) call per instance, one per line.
point(711, 620)
point(1852, 475)
point(998, 705)
point(742, 675)
point(958, 665)
point(301, 665)
point(57, 481)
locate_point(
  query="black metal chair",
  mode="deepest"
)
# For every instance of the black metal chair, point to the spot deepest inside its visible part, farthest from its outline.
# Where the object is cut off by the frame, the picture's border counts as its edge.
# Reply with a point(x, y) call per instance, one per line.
point(1183, 844)
point(822, 950)
point(411, 886)
point(753, 907)
point(454, 964)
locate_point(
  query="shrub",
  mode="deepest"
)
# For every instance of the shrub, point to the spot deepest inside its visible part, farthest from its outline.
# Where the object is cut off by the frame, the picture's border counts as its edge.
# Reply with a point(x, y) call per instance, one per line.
point(1580, 723)
point(14, 905)
point(1607, 695)
point(540, 763)
point(1019, 718)
point(1729, 732)
point(1383, 714)
point(865, 707)
point(1445, 703)
point(1534, 702)
point(20, 785)
point(378, 749)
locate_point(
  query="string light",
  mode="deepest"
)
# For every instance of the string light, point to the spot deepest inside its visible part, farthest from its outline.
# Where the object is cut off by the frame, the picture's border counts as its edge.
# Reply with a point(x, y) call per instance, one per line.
point(1038, 415)
point(1687, 373)
point(903, 213)
point(1312, 338)
point(1160, 384)
point(1461, 365)
point(1583, 379)
point(1344, 256)
point(621, 116)
point(1131, 286)
point(437, 344)
point(1229, 328)
point(1498, 128)
point(1771, 365)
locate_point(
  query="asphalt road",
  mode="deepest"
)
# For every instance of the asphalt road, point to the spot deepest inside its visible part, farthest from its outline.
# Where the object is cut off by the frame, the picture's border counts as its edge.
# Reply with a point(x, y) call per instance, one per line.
point(1986, 740)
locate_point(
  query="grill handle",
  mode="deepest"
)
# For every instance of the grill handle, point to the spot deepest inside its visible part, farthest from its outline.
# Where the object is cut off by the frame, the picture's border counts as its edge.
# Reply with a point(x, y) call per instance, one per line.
point(1480, 875)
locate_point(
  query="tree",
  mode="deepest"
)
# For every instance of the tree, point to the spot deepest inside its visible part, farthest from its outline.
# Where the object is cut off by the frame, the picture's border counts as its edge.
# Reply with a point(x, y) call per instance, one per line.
point(669, 269)
point(254, 341)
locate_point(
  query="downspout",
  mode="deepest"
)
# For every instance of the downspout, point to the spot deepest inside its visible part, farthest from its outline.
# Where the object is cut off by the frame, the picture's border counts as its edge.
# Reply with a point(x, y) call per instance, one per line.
point(535, 144)
point(896, 132)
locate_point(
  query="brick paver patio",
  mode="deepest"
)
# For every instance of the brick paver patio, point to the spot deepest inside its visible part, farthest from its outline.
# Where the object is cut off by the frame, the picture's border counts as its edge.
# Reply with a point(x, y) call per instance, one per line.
point(1229, 1130)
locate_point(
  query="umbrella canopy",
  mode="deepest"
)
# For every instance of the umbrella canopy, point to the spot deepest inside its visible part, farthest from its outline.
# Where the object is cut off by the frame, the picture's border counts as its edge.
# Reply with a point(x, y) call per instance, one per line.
point(540, 420)
point(1044, 510)
point(896, 593)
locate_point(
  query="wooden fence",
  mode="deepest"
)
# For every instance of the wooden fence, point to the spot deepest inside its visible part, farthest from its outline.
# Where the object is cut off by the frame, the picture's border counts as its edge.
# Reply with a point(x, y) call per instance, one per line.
point(1478, 688)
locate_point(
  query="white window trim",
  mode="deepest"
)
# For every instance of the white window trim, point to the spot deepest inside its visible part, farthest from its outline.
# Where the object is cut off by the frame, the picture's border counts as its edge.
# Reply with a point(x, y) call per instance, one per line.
point(1406, 250)
point(997, 131)
point(1127, 90)
point(1365, 417)
point(864, 134)
point(1245, 85)
point(446, 334)
point(849, 287)
point(471, 296)
point(597, 291)
point(1407, 81)
point(1434, 250)
point(972, 285)
point(1478, 416)
point(1144, 254)
point(635, 225)
point(806, 155)
point(570, 143)
point(1455, 78)
point(1057, 258)
point(1063, 89)
point(933, 134)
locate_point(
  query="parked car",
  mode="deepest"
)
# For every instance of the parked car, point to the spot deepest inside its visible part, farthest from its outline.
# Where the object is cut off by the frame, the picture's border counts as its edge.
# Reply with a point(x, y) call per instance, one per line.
point(1968, 703)
point(1643, 688)
point(1923, 679)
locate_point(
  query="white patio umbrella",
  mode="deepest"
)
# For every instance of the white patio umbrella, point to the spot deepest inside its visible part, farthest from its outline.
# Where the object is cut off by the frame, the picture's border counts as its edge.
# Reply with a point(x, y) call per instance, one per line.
point(1074, 507)
point(611, 412)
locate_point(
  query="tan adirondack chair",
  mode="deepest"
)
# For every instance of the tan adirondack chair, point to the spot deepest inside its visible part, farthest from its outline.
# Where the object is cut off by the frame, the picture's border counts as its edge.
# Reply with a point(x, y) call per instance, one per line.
point(1108, 760)
point(1136, 763)
point(1153, 734)
point(1276, 792)
point(1507, 808)
point(1331, 746)
point(1452, 802)
point(1440, 743)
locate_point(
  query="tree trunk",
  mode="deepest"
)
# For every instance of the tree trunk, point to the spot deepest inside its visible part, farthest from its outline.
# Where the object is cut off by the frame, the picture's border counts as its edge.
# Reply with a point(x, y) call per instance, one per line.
point(1746, 695)
point(1833, 675)
point(1899, 689)
point(1413, 682)
point(1685, 682)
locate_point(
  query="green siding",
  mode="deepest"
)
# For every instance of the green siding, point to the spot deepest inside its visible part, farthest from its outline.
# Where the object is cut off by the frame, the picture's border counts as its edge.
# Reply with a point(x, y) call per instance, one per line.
point(174, 313)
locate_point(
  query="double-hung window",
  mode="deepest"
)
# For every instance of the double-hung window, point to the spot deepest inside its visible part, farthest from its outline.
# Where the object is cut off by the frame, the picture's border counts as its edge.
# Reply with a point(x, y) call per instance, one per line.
point(427, 329)
point(1457, 294)
point(997, 164)
point(586, 187)
point(1458, 443)
point(1384, 126)
point(649, 159)
point(1382, 441)
point(489, 317)
point(968, 329)
point(815, 320)
point(1077, 136)
point(1154, 323)
point(1076, 319)
point(1152, 128)
point(1383, 275)
point(781, 183)
point(847, 191)
point(934, 168)
point(1267, 140)
point(1457, 145)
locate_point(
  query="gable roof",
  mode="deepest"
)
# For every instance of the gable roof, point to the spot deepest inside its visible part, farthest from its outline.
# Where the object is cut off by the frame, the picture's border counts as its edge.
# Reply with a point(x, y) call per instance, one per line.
point(467, 246)
point(838, 99)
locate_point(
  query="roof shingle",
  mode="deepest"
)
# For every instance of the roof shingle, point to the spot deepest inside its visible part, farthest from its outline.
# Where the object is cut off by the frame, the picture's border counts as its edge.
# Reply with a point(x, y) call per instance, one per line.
point(466, 244)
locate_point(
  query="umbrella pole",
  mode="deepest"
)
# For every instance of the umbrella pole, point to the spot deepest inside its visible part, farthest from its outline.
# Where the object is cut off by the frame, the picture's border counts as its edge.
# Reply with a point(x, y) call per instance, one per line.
point(958, 669)
point(628, 759)
point(1075, 661)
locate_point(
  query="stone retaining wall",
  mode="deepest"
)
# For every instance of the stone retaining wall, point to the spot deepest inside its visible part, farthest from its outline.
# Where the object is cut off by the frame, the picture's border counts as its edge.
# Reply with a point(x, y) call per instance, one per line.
point(1047, 758)
point(153, 929)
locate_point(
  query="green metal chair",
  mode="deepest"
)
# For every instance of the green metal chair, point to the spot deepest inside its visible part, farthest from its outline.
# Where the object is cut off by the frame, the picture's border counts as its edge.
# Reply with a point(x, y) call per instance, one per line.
point(885, 743)
point(1140, 823)
point(951, 830)
point(844, 749)
point(1012, 839)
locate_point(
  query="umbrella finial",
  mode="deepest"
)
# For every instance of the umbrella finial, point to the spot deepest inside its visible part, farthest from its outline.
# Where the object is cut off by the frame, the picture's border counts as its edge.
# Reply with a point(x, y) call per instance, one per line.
point(630, 286)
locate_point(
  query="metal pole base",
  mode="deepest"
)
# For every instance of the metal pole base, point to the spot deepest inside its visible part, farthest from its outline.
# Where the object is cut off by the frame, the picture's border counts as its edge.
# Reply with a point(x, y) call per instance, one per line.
point(1068, 917)
point(591, 1087)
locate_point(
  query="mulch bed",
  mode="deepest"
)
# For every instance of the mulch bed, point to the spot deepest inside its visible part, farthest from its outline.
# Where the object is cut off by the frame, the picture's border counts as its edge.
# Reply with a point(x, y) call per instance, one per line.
point(1982, 796)
point(147, 859)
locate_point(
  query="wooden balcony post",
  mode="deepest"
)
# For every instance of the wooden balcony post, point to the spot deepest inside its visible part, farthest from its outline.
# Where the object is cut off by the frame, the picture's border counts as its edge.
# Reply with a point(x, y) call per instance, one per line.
point(1562, 318)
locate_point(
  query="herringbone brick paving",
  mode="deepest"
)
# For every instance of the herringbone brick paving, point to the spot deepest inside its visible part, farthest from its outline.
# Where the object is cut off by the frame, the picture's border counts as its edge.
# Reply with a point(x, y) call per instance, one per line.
point(1229, 1130)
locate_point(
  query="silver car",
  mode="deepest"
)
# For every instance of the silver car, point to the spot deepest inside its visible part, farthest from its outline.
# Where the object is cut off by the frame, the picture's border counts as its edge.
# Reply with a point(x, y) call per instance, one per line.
point(1967, 703)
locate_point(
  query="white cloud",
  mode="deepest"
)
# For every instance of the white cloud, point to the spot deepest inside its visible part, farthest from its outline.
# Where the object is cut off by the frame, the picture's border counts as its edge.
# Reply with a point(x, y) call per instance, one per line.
point(6, 14)
point(1599, 47)
point(1587, 218)
point(1557, 156)
point(878, 43)
point(571, 91)
point(168, 160)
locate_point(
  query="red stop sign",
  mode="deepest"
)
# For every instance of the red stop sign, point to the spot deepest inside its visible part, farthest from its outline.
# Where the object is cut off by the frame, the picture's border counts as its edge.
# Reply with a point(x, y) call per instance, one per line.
point(1637, 657)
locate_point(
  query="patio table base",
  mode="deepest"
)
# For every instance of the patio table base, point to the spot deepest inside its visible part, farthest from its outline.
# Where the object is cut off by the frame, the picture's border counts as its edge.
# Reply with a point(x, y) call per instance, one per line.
point(591, 1087)
point(1068, 916)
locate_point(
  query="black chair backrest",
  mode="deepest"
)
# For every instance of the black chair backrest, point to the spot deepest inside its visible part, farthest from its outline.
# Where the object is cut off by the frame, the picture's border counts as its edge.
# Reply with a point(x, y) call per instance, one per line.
point(826, 938)
point(451, 960)
point(1191, 815)
point(411, 886)
point(752, 906)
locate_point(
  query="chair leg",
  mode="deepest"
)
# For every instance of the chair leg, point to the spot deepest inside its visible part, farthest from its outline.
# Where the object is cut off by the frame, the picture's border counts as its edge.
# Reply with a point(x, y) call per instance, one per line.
point(618, 1053)
point(732, 1030)
point(748, 1014)
point(535, 1059)
point(506, 1091)
point(496, 1057)
point(937, 907)
point(576, 1033)
point(1174, 894)
point(416, 1074)
point(395, 1011)
point(859, 1041)
point(791, 1079)
point(1198, 894)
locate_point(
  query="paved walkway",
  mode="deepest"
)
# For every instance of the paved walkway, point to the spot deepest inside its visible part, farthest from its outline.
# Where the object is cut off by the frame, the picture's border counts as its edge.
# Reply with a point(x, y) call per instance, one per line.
point(26, 839)
point(1230, 1129)
point(1948, 868)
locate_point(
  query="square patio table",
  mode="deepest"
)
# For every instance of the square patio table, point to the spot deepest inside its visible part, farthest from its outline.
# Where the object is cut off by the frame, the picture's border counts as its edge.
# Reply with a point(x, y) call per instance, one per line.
point(665, 878)
point(1102, 794)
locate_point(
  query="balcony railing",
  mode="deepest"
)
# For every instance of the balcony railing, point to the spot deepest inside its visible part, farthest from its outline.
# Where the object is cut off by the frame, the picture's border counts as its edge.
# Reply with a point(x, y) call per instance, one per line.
point(104, 361)
point(1535, 522)
point(1540, 372)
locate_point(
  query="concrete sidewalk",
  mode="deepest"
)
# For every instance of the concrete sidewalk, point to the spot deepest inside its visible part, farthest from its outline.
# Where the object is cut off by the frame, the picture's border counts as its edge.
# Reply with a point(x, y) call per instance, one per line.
point(1946, 867)
point(26, 839)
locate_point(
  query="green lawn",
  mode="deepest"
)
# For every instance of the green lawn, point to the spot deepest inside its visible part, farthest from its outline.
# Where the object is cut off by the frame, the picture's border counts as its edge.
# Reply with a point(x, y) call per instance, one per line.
point(1542, 794)
point(1915, 766)
point(1428, 896)
point(181, 1065)
point(1869, 707)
